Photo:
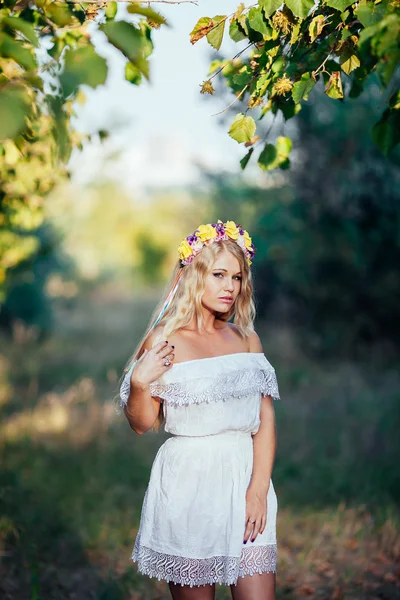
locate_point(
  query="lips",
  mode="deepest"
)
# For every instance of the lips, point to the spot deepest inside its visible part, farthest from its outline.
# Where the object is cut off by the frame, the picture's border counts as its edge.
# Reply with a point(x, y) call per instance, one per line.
point(226, 299)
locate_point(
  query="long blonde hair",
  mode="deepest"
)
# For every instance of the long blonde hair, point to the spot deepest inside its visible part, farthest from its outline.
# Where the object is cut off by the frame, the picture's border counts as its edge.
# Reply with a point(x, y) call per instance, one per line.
point(186, 302)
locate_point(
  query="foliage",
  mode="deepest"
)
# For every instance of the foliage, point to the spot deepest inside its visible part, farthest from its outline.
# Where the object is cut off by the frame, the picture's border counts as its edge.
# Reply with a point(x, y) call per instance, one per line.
point(327, 233)
point(293, 46)
point(46, 55)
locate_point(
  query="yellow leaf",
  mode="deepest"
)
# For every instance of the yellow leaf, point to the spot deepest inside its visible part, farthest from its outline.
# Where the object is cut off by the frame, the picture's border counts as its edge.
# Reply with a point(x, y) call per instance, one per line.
point(316, 27)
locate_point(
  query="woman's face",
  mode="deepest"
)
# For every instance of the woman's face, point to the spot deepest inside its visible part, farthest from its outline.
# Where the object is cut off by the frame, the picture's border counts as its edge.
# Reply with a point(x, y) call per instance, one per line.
point(223, 283)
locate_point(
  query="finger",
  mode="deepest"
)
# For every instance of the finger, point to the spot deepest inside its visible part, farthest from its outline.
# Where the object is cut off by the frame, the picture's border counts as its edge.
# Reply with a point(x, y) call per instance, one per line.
point(263, 523)
point(145, 351)
point(159, 346)
point(248, 530)
point(170, 358)
point(165, 351)
point(256, 530)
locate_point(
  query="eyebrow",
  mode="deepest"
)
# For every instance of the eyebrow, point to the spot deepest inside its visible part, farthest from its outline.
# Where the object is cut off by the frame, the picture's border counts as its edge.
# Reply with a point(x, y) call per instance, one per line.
point(216, 269)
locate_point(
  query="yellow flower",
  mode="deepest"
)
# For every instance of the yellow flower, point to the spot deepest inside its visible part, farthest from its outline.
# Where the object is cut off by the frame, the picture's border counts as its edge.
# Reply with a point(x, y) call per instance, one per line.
point(281, 22)
point(231, 230)
point(206, 232)
point(207, 87)
point(184, 249)
point(247, 240)
point(282, 85)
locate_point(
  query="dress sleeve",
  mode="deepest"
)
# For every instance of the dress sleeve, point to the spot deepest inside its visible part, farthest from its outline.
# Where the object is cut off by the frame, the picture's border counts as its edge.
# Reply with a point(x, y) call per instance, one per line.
point(125, 388)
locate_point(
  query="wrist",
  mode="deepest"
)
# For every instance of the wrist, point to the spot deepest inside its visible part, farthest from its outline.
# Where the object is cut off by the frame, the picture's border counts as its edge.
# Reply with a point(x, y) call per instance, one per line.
point(139, 385)
point(259, 488)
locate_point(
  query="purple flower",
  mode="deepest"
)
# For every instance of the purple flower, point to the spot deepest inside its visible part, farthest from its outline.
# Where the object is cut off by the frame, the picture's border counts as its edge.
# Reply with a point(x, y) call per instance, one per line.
point(219, 227)
point(192, 238)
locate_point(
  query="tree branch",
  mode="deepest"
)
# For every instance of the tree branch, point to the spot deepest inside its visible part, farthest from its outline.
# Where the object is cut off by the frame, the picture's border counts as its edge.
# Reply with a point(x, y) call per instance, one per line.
point(100, 2)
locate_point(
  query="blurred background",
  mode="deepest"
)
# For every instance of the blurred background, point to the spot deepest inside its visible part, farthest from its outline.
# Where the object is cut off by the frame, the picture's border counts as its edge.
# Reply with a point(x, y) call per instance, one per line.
point(327, 289)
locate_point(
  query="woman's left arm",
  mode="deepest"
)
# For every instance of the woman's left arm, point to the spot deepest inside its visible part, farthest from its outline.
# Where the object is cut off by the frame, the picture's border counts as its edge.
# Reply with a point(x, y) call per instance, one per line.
point(264, 448)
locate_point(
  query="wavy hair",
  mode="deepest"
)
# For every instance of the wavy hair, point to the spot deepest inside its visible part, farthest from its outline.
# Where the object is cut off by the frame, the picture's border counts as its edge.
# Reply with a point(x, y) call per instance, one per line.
point(186, 303)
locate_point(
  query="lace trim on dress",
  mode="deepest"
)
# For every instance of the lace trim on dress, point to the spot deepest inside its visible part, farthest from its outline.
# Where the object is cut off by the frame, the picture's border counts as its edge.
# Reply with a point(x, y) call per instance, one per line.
point(224, 570)
point(236, 384)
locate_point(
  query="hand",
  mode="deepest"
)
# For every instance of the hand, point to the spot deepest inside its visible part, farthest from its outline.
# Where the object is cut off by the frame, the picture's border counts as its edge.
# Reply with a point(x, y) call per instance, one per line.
point(150, 365)
point(256, 510)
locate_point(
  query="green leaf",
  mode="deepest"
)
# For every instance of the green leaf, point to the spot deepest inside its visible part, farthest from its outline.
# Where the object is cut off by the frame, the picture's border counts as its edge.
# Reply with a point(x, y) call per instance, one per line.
point(302, 88)
point(215, 36)
point(349, 60)
point(129, 40)
point(334, 88)
point(275, 156)
point(82, 66)
point(295, 35)
point(242, 128)
point(132, 74)
point(283, 146)
point(300, 8)
point(136, 9)
point(59, 14)
point(243, 77)
point(15, 50)
point(246, 158)
point(111, 10)
point(340, 5)
point(202, 27)
point(262, 84)
point(27, 29)
point(369, 13)
point(386, 133)
point(257, 22)
point(14, 108)
point(236, 32)
point(267, 158)
point(270, 6)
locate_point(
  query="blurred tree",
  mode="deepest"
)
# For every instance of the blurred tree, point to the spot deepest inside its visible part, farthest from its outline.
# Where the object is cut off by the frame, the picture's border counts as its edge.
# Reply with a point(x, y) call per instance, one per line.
point(46, 54)
point(328, 233)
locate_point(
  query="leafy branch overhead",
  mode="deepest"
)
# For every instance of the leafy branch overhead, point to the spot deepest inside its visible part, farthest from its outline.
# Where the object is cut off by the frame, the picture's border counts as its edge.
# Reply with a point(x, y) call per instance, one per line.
point(37, 95)
point(289, 47)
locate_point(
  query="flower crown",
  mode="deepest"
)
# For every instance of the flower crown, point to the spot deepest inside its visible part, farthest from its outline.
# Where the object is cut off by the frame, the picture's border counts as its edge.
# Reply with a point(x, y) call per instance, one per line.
point(207, 234)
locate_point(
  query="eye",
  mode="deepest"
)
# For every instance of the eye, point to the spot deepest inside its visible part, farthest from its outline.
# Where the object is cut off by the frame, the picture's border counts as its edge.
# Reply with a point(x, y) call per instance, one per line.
point(217, 274)
point(238, 277)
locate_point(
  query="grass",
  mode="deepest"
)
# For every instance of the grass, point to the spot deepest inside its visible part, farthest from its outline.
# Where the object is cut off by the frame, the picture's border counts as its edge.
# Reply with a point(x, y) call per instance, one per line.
point(74, 474)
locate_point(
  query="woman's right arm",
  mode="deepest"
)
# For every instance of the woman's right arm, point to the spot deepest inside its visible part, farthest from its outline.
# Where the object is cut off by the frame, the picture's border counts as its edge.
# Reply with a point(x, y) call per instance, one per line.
point(141, 408)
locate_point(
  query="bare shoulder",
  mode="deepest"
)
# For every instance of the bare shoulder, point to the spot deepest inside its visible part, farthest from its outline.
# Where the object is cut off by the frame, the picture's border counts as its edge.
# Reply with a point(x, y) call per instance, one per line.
point(153, 338)
point(254, 343)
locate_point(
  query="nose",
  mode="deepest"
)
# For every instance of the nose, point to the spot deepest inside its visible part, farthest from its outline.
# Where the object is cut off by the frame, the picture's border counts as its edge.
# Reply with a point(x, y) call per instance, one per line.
point(229, 287)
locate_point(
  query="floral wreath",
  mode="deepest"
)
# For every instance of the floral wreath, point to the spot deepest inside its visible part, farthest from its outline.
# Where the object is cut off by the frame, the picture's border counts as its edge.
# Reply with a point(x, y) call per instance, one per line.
point(207, 234)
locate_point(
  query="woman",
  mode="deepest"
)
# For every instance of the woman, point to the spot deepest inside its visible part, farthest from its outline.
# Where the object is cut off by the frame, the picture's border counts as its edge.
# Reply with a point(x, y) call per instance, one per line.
point(209, 511)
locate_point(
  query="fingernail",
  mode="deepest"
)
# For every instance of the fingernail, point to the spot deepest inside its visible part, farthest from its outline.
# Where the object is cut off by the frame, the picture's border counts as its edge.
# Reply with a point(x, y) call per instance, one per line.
point(165, 342)
point(173, 346)
point(253, 540)
point(244, 541)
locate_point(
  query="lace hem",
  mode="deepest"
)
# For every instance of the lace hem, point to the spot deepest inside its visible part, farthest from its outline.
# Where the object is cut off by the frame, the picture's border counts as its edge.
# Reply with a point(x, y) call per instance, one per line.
point(236, 384)
point(224, 570)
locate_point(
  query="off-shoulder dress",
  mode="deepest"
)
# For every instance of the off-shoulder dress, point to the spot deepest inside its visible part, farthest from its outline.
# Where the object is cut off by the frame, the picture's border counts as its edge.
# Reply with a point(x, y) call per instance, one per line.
point(193, 514)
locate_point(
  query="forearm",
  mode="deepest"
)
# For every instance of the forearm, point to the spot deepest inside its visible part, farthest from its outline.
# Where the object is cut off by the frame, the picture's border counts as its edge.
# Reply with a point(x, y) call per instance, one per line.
point(264, 447)
point(139, 409)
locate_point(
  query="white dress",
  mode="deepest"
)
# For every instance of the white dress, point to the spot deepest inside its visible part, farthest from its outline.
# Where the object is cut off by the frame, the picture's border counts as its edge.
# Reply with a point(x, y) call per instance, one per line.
point(193, 515)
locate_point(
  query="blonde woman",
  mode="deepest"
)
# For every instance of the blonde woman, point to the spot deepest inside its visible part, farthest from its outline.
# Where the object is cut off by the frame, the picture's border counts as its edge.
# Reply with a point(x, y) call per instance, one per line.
point(209, 511)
